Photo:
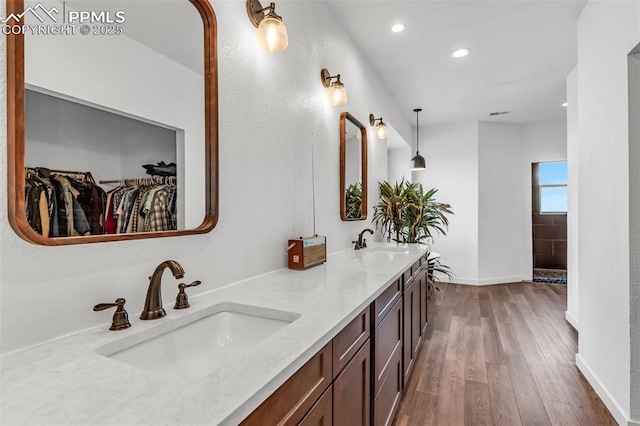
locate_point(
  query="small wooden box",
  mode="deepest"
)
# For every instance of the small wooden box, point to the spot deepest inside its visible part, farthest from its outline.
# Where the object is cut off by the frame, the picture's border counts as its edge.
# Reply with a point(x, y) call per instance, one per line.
point(306, 252)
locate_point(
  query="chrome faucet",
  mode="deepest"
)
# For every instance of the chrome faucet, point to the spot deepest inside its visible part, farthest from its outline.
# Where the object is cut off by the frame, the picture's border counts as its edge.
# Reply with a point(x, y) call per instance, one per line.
point(362, 242)
point(153, 304)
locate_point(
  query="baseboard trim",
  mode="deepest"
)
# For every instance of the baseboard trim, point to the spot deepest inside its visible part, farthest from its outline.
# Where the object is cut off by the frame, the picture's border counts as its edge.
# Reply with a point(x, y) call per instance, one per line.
point(487, 281)
point(618, 414)
point(571, 320)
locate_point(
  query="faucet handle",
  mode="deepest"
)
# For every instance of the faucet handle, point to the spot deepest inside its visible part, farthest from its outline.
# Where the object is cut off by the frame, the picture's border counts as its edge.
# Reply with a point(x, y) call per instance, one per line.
point(182, 300)
point(364, 243)
point(120, 320)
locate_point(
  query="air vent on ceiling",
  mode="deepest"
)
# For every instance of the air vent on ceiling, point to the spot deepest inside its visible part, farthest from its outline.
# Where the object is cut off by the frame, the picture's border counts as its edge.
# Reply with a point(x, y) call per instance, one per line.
point(493, 114)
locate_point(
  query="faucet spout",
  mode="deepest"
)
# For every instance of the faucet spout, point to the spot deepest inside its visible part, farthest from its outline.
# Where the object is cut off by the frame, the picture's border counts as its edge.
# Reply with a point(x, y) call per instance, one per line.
point(362, 243)
point(153, 303)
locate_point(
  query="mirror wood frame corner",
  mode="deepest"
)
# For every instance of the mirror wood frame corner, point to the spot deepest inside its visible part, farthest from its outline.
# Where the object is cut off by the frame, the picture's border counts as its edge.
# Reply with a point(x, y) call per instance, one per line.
point(16, 139)
point(363, 163)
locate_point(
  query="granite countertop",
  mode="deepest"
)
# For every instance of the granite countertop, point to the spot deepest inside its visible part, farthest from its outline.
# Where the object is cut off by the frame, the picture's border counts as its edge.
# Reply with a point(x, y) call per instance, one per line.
point(68, 381)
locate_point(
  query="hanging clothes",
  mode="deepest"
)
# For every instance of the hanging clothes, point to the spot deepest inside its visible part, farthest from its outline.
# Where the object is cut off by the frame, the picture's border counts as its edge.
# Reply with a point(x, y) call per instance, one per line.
point(148, 206)
point(62, 204)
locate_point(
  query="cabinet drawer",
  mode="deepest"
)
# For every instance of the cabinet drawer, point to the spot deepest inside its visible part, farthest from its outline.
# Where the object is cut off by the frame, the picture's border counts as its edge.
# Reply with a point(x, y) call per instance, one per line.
point(352, 391)
point(384, 303)
point(387, 339)
point(321, 414)
point(288, 404)
point(386, 403)
point(349, 340)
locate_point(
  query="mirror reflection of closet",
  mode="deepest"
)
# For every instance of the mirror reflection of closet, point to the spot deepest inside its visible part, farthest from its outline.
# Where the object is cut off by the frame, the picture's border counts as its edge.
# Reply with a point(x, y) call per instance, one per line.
point(120, 124)
point(353, 168)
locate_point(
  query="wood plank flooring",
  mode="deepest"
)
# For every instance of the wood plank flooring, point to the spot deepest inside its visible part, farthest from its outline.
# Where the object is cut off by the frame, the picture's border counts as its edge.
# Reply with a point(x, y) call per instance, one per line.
point(500, 355)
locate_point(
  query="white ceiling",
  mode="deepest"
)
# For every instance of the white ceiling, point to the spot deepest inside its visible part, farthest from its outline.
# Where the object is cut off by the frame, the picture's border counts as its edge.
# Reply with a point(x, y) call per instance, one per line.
point(522, 54)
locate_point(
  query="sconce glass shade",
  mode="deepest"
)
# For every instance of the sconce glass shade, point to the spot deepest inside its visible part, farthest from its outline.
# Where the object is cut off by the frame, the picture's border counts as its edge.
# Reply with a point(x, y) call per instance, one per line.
point(381, 131)
point(272, 35)
point(337, 94)
point(418, 163)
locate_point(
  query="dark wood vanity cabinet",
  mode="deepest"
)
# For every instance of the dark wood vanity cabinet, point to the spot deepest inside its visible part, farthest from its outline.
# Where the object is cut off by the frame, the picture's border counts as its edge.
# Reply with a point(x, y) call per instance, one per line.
point(424, 300)
point(289, 404)
point(359, 377)
point(321, 414)
point(412, 330)
point(333, 387)
point(352, 391)
point(387, 361)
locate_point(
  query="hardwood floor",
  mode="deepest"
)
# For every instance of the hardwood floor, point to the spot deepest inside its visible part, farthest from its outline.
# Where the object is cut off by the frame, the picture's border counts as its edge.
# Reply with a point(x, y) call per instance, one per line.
point(500, 355)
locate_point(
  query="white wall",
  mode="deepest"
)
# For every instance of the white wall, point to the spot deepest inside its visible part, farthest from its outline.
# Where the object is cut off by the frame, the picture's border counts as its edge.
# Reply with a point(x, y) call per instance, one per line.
point(573, 150)
point(500, 203)
point(541, 143)
point(398, 164)
point(271, 107)
point(484, 171)
point(634, 231)
point(451, 154)
point(69, 136)
point(607, 32)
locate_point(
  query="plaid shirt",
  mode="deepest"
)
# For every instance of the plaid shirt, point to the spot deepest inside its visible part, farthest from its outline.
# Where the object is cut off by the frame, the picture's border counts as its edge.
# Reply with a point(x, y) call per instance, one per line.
point(156, 218)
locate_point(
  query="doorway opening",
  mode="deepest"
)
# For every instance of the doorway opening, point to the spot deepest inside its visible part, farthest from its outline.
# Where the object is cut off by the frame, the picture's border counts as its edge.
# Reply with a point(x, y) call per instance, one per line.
point(549, 219)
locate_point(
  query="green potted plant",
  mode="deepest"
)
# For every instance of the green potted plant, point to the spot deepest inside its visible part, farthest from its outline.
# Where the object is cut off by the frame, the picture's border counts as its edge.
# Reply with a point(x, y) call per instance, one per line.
point(412, 215)
point(353, 200)
point(404, 209)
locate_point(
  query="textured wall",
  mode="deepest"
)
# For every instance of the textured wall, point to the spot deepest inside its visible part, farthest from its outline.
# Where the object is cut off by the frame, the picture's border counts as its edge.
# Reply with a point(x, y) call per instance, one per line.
point(607, 31)
point(573, 165)
point(271, 109)
point(500, 202)
point(634, 225)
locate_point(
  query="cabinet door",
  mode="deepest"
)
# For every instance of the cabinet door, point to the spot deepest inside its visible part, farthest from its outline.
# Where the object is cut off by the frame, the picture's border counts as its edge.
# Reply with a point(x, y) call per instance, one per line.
point(411, 329)
point(424, 302)
point(387, 340)
point(387, 401)
point(321, 414)
point(288, 404)
point(352, 391)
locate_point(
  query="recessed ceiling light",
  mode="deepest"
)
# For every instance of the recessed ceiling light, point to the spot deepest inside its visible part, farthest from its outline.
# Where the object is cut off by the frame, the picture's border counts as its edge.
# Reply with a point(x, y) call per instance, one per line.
point(397, 28)
point(564, 104)
point(460, 53)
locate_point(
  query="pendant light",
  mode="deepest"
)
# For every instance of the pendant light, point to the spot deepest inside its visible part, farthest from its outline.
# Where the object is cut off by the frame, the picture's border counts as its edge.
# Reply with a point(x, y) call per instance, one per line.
point(417, 162)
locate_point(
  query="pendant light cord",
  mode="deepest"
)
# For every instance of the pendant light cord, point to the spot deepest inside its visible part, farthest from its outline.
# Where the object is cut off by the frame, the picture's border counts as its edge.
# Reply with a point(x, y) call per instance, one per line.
point(417, 133)
point(417, 111)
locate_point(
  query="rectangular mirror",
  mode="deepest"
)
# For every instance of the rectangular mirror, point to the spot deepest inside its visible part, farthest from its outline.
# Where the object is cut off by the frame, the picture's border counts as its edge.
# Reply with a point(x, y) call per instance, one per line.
point(353, 168)
point(112, 119)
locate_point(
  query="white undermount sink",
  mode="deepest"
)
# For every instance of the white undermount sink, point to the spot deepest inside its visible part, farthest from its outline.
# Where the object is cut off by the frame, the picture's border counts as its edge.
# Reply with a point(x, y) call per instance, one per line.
point(389, 249)
point(199, 347)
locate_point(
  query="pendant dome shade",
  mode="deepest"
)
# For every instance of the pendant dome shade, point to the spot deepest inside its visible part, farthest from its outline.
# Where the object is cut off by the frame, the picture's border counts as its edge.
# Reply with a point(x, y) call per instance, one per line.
point(417, 162)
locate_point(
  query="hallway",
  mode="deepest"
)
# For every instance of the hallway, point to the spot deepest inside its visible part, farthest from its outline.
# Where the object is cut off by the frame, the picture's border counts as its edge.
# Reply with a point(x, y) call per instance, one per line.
point(500, 355)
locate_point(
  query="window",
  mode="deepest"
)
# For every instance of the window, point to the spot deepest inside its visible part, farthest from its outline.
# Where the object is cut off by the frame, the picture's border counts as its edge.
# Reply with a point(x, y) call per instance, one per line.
point(552, 179)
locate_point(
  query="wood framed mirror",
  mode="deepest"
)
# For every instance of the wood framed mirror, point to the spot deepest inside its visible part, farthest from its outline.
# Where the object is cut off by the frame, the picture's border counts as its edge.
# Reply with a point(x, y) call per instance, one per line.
point(112, 114)
point(353, 168)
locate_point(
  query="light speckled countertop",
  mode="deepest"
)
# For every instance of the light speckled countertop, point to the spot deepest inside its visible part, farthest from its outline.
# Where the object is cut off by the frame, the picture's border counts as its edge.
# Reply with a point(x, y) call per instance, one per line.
point(67, 381)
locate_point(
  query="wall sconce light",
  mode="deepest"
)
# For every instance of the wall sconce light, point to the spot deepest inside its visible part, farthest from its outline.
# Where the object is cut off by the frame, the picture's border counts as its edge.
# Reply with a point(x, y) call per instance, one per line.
point(380, 131)
point(417, 162)
point(272, 34)
point(337, 94)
